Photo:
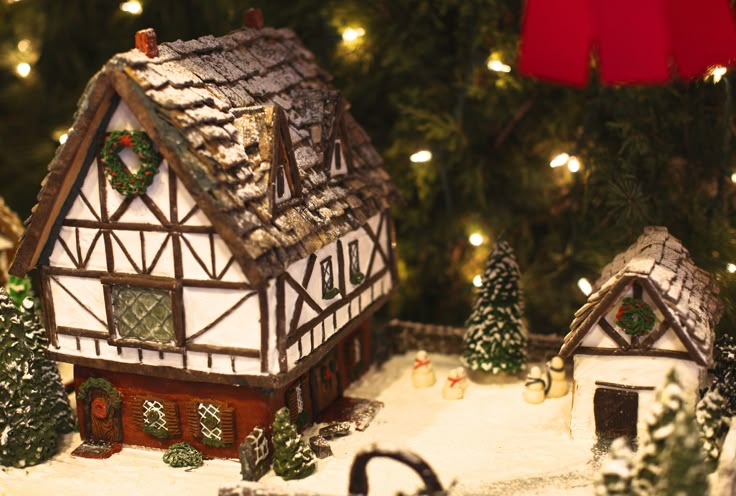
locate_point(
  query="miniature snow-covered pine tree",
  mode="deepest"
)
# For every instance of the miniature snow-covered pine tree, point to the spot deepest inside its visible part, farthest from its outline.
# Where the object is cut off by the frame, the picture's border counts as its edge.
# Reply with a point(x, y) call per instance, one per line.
point(670, 400)
point(724, 374)
point(34, 408)
point(684, 471)
point(292, 459)
point(495, 341)
point(709, 416)
point(615, 475)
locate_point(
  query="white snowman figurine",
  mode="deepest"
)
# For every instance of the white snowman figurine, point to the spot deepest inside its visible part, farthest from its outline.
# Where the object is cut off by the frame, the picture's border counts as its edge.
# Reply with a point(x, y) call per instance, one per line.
point(534, 387)
point(453, 388)
point(558, 382)
point(423, 376)
point(463, 377)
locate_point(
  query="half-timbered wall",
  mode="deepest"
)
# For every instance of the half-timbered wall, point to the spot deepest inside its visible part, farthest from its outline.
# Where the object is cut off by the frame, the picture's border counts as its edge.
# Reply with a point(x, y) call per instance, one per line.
point(601, 337)
point(161, 240)
point(107, 239)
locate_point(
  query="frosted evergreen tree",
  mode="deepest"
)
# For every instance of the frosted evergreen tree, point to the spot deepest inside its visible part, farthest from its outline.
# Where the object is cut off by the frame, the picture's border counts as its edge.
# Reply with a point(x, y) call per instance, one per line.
point(34, 408)
point(494, 340)
point(712, 425)
point(724, 374)
point(292, 459)
point(616, 473)
point(670, 400)
point(684, 471)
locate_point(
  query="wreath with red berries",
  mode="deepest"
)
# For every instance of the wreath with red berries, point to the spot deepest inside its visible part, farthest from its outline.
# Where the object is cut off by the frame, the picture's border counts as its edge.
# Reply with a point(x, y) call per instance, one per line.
point(122, 180)
point(635, 317)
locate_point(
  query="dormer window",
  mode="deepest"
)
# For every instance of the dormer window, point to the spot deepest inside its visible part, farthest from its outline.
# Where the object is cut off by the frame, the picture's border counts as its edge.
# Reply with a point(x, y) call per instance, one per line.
point(285, 184)
point(338, 165)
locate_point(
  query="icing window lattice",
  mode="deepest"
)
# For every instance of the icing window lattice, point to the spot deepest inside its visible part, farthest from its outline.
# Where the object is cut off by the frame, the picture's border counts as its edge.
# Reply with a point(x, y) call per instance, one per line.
point(260, 447)
point(143, 314)
point(153, 415)
point(299, 399)
point(209, 421)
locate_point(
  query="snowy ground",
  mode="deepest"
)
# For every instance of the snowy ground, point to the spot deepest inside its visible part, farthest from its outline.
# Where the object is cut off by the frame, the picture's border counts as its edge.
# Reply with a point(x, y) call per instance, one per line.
point(490, 443)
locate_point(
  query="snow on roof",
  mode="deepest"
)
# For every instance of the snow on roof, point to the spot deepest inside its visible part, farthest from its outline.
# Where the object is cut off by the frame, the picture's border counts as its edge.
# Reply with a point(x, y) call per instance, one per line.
point(688, 292)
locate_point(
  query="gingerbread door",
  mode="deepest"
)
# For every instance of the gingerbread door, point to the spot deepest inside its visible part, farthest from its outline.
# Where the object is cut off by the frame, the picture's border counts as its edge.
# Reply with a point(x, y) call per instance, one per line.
point(101, 408)
point(616, 412)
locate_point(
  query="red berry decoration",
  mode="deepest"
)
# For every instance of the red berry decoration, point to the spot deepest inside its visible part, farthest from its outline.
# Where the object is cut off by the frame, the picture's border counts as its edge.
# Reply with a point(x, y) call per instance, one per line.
point(130, 184)
point(635, 317)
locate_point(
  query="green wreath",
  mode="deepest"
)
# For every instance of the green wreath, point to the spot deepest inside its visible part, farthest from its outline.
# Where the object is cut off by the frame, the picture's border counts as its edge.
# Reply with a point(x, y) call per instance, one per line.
point(117, 174)
point(635, 317)
point(99, 383)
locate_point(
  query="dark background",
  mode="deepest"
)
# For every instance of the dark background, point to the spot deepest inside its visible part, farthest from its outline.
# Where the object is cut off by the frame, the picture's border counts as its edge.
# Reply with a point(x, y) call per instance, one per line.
point(418, 79)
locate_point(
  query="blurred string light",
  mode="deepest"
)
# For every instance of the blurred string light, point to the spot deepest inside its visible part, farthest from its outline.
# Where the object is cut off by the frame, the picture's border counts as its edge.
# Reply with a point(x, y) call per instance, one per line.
point(351, 35)
point(23, 69)
point(63, 138)
point(24, 45)
point(585, 286)
point(495, 63)
point(133, 7)
point(716, 73)
point(733, 177)
point(477, 281)
point(572, 162)
point(731, 268)
point(476, 239)
point(421, 156)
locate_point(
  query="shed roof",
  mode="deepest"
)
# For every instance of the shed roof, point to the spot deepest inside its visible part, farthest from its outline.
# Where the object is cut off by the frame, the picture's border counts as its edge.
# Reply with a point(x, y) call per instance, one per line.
point(688, 292)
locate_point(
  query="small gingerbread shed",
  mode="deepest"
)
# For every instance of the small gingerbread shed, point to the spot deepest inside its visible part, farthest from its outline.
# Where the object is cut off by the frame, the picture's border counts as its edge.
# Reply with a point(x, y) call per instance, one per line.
point(651, 310)
point(11, 229)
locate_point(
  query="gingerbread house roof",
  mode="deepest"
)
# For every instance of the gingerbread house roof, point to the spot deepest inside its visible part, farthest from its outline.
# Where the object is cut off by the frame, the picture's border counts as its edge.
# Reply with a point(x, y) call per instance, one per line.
point(10, 225)
point(688, 296)
point(210, 105)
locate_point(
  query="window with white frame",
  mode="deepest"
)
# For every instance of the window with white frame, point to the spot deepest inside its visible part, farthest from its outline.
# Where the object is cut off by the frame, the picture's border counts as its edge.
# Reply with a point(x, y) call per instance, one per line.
point(154, 418)
point(299, 399)
point(338, 165)
point(357, 351)
point(210, 423)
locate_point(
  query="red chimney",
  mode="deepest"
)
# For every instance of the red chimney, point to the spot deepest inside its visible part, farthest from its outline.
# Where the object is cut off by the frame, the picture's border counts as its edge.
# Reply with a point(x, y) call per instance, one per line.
point(145, 41)
point(253, 18)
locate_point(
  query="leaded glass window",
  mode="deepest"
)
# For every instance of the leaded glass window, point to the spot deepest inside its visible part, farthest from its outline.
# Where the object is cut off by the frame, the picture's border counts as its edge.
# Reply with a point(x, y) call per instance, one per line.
point(299, 399)
point(329, 290)
point(210, 423)
point(356, 276)
point(154, 418)
point(143, 314)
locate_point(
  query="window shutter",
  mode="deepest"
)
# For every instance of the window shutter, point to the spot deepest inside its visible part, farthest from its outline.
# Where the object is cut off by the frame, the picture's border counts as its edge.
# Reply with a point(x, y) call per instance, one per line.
point(291, 403)
point(137, 414)
point(227, 424)
point(193, 419)
point(171, 411)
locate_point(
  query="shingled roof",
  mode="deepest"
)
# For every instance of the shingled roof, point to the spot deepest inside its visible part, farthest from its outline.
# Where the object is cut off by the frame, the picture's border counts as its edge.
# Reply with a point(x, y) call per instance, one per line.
point(688, 293)
point(206, 103)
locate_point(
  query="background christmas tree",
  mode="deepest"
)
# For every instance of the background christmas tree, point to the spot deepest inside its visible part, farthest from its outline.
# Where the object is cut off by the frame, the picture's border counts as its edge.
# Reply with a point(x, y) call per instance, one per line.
point(418, 78)
point(292, 459)
point(494, 340)
point(34, 408)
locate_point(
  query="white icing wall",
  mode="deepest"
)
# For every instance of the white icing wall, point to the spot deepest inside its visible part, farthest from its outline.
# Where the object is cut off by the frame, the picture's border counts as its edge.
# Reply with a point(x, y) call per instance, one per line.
point(625, 370)
point(225, 316)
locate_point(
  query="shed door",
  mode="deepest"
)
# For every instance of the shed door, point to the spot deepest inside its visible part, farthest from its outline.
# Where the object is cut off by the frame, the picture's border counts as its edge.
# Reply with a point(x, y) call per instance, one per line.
point(616, 412)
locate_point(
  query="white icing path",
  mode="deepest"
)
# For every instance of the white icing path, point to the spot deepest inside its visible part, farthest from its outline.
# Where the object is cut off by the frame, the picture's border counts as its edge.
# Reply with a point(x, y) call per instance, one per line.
point(491, 442)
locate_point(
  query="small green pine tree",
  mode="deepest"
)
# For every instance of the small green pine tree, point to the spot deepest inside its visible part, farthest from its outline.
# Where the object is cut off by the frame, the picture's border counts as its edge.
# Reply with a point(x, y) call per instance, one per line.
point(495, 341)
point(713, 427)
point(34, 408)
point(615, 475)
point(669, 402)
point(684, 471)
point(292, 458)
point(19, 288)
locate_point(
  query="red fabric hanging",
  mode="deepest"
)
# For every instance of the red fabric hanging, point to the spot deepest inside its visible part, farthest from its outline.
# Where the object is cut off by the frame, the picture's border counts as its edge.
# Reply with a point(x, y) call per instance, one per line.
point(637, 41)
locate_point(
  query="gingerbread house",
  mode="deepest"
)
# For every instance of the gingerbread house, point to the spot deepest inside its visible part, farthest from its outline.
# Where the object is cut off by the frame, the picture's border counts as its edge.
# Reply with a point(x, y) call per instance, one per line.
point(11, 229)
point(211, 240)
point(652, 310)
